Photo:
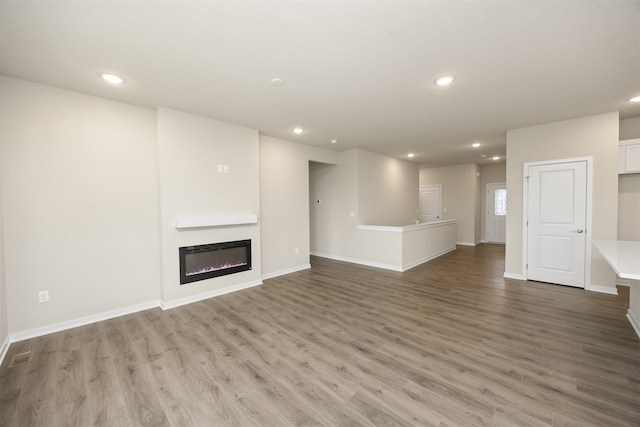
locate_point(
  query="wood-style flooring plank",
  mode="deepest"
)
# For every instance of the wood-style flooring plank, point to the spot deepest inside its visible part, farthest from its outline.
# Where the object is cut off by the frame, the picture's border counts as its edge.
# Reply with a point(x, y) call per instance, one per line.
point(448, 343)
point(36, 403)
point(143, 406)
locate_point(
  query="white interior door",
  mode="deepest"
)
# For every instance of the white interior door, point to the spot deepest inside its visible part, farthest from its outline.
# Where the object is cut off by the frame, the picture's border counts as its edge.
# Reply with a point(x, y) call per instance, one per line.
point(430, 202)
point(557, 216)
point(496, 212)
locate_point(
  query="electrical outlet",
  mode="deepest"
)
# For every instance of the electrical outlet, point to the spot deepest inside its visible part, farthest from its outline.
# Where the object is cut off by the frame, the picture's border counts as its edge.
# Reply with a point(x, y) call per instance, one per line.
point(43, 296)
point(296, 251)
point(226, 168)
point(220, 168)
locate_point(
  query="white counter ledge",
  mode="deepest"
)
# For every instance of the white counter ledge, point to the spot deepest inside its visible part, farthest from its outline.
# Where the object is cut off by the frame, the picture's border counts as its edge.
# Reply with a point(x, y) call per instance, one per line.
point(405, 228)
point(622, 255)
point(624, 258)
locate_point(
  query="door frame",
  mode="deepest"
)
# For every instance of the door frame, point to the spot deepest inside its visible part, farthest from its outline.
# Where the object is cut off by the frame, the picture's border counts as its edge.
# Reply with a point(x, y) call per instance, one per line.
point(486, 215)
point(588, 225)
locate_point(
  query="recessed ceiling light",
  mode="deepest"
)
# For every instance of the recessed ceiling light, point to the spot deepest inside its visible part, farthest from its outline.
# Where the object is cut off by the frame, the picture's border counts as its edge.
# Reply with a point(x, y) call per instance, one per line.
point(334, 141)
point(112, 78)
point(277, 82)
point(410, 155)
point(496, 157)
point(298, 130)
point(635, 99)
point(475, 145)
point(445, 80)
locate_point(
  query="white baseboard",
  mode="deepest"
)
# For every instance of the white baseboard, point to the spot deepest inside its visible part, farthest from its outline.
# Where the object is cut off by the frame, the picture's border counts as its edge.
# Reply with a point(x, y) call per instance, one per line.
point(166, 305)
point(603, 289)
point(634, 322)
point(285, 271)
point(429, 258)
point(358, 261)
point(5, 348)
point(513, 276)
point(74, 323)
point(381, 265)
point(466, 243)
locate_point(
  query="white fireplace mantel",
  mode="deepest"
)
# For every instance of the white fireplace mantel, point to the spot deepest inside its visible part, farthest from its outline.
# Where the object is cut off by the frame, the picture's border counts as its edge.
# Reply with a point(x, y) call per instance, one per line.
point(183, 222)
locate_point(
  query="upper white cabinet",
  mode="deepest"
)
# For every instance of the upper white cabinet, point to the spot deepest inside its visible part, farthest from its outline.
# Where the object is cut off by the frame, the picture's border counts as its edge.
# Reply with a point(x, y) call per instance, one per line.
point(629, 156)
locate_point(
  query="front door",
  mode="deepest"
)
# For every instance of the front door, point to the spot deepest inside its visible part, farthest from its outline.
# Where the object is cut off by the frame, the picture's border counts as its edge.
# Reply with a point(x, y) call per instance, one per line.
point(556, 217)
point(496, 212)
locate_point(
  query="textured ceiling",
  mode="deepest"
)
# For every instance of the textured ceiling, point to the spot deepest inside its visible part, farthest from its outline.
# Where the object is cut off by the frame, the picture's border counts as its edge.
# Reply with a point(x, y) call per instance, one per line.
point(360, 72)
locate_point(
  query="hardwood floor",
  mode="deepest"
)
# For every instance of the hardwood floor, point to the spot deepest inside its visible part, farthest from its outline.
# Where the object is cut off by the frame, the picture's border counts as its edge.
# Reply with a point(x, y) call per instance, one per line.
point(448, 343)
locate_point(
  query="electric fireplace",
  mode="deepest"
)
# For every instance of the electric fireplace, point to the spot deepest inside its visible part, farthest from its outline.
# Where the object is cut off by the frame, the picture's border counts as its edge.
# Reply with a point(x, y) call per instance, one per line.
point(216, 259)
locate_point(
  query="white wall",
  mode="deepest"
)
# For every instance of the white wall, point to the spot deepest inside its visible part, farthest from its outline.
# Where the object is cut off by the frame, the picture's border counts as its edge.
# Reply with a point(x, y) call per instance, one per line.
point(629, 206)
point(477, 204)
point(284, 202)
point(629, 190)
point(460, 197)
point(80, 204)
point(387, 190)
point(595, 136)
point(4, 324)
point(489, 174)
point(336, 189)
point(189, 149)
point(390, 186)
point(630, 128)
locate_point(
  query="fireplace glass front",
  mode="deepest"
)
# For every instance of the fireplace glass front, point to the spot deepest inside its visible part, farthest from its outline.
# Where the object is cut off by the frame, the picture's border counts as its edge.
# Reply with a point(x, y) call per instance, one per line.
point(212, 260)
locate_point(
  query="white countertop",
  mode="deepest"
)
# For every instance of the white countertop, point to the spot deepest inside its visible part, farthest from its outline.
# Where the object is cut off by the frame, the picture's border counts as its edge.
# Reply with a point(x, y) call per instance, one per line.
point(405, 228)
point(622, 255)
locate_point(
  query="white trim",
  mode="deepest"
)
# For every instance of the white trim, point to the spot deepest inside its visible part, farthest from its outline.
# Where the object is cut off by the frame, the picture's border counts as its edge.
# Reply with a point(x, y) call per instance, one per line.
point(358, 261)
point(404, 267)
point(389, 228)
point(525, 220)
point(513, 276)
point(602, 289)
point(405, 228)
point(5, 348)
point(206, 295)
point(589, 228)
point(633, 141)
point(466, 243)
point(285, 271)
point(634, 322)
point(69, 324)
point(429, 258)
point(589, 220)
point(214, 220)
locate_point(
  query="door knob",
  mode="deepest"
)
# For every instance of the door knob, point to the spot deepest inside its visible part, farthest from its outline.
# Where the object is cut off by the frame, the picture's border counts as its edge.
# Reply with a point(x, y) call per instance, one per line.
point(578, 231)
